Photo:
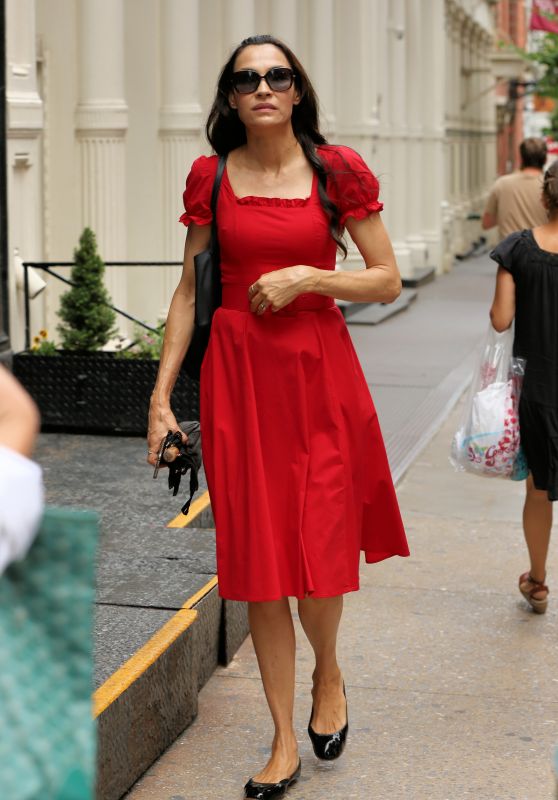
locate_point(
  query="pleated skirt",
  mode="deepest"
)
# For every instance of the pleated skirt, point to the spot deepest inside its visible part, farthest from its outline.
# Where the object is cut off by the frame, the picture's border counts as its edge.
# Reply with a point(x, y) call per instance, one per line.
point(294, 457)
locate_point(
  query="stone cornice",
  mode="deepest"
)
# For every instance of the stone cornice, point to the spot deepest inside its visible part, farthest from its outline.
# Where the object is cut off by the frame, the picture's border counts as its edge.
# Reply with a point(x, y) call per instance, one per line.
point(25, 113)
point(174, 119)
point(102, 116)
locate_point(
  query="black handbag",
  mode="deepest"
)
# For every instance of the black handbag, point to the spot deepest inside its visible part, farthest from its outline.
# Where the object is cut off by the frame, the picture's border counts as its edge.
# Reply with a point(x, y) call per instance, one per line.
point(180, 458)
point(207, 272)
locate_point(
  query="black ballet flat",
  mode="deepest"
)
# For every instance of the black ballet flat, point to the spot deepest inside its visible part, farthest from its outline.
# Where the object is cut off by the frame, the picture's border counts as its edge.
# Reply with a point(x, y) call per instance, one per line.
point(265, 791)
point(329, 746)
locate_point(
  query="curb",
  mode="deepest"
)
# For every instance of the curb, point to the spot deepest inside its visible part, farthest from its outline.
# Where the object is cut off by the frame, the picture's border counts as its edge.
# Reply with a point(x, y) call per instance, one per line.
point(149, 701)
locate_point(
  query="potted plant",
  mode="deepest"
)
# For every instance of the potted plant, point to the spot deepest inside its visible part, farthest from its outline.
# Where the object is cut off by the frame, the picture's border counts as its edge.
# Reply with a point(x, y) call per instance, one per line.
point(80, 388)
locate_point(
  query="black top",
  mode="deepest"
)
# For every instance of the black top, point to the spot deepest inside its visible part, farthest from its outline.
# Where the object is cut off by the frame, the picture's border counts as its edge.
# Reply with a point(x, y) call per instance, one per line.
point(535, 273)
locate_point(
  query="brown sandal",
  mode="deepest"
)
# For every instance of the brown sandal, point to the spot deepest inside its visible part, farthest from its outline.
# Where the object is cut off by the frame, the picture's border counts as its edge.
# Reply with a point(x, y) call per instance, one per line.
point(528, 587)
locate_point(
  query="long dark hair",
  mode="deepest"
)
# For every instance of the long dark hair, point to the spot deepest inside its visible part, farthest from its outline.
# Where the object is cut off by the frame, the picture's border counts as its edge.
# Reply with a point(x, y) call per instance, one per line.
point(226, 132)
point(550, 188)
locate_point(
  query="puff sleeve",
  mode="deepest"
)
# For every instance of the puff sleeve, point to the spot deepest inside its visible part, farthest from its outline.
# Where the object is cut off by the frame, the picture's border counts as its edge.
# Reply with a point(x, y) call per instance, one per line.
point(351, 185)
point(505, 253)
point(197, 194)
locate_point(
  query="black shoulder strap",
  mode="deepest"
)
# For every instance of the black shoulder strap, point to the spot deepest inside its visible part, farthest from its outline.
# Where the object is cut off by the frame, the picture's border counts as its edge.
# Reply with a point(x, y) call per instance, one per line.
point(214, 196)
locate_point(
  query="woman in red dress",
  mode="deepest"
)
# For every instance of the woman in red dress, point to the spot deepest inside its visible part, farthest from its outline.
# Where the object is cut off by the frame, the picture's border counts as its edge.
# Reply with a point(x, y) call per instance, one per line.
point(294, 457)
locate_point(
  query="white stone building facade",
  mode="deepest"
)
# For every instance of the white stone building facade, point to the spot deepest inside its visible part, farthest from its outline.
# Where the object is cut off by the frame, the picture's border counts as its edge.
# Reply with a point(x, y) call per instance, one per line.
point(107, 101)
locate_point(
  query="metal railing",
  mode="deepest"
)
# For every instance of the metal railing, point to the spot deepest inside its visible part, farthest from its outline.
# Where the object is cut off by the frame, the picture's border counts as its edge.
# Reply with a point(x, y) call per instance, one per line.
point(46, 266)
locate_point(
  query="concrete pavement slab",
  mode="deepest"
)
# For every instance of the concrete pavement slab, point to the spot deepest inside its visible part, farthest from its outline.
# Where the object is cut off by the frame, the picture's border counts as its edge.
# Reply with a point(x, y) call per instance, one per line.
point(420, 346)
point(107, 473)
point(125, 580)
point(195, 544)
point(393, 405)
point(469, 643)
point(404, 744)
point(126, 629)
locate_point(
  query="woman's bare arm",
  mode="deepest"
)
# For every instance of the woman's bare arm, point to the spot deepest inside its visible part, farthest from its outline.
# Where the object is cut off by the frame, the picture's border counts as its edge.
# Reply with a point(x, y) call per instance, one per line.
point(380, 282)
point(502, 311)
point(178, 334)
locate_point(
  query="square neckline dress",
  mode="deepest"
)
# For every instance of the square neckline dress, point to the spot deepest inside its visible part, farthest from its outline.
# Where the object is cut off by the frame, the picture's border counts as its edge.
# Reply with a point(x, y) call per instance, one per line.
point(293, 453)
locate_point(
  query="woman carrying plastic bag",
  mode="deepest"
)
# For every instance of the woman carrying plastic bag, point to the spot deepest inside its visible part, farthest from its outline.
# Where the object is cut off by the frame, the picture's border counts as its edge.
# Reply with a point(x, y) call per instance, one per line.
point(487, 441)
point(527, 292)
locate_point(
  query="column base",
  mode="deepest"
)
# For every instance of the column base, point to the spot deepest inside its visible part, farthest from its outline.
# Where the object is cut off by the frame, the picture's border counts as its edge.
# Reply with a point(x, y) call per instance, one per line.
point(374, 313)
point(420, 276)
point(404, 259)
point(419, 251)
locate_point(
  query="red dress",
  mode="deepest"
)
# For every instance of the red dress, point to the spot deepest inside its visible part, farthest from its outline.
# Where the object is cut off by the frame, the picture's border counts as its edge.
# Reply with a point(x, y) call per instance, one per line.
point(294, 457)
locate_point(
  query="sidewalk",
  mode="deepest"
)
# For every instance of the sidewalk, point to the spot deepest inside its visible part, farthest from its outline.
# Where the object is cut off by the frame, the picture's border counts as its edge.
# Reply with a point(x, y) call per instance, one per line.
point(451, 681)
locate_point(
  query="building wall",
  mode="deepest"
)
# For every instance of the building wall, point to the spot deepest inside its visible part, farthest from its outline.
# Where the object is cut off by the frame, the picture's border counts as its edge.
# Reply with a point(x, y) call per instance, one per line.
point(117, 92)
point(511, 27)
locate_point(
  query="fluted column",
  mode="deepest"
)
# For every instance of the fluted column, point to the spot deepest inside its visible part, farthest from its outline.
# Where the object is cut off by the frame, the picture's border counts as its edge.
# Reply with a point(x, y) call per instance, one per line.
point(381, 151)
point(398, 100)
point(285, 21)
point(434, 148)
point(180, 121)
point(239, 21)
point(481, 83)
point(490, 125)
point(371, 69)
point(355, 93)
point(462, 143)
point(355, 73)
point(101, 125)
point(416, 78)
point(456, 143)
point(322, 60)
point(24, 127)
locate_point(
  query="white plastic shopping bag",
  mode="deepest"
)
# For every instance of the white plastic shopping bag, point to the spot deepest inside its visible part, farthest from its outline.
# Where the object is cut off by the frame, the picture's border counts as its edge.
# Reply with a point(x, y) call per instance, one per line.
point(487, 441)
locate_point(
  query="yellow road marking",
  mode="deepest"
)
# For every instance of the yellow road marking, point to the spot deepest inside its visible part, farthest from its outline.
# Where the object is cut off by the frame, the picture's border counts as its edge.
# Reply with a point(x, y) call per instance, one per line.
point(196, 508)
point(130, 671)
point(191, 602)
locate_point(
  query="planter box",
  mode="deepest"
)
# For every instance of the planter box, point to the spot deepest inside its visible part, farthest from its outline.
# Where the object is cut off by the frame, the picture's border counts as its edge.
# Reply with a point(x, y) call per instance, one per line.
point(98, 392)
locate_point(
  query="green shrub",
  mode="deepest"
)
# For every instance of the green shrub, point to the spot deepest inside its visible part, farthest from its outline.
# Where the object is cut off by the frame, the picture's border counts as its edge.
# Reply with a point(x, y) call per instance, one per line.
point(147, 344)
point(87, 319)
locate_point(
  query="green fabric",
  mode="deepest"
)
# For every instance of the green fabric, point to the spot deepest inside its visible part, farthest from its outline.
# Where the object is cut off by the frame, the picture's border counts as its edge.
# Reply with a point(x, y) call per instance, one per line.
point(47, 734)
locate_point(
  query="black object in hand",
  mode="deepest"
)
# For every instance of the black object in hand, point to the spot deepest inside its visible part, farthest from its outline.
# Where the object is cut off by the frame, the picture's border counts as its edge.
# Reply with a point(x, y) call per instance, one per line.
point(179, 457)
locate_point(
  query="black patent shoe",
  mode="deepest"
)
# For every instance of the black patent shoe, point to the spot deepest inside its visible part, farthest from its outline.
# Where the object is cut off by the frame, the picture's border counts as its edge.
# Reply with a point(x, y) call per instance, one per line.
point(329, 746)
point(265, 791)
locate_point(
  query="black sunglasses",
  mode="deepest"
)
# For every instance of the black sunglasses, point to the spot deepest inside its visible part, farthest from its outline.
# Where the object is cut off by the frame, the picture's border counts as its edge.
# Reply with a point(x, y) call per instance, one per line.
point(246, 81)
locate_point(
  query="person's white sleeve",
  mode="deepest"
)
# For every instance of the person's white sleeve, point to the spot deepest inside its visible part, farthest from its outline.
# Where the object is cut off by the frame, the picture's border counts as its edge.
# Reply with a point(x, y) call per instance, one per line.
point(21, 504)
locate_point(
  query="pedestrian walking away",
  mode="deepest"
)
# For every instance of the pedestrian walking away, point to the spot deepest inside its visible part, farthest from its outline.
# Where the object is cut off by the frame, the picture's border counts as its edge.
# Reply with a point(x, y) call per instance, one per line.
point(527, 291)
point(515, 200)
point(294, 457)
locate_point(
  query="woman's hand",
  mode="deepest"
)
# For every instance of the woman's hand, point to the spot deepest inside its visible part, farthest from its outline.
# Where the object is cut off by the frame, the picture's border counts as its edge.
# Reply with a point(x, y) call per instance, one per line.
point(161, 421)
point(277, 289)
